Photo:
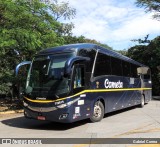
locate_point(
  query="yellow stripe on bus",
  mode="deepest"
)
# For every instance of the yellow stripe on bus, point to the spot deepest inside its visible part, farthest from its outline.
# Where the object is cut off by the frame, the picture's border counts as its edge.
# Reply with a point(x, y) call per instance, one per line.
point(86, 91)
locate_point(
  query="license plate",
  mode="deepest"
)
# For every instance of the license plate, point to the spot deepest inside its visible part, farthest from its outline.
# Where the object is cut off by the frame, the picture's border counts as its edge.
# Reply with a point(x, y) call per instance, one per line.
point(41, 118)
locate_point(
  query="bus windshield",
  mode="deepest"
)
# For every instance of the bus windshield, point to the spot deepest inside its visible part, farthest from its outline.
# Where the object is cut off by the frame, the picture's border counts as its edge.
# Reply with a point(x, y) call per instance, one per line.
point(46, 76)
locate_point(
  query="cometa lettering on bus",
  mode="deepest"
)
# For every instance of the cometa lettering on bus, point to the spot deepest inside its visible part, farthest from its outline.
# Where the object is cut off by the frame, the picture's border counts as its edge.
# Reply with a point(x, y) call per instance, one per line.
point(109, 84)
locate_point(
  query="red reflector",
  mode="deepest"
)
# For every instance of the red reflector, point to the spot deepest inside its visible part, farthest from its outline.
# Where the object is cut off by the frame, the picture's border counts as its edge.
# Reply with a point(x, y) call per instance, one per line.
point(41, 118)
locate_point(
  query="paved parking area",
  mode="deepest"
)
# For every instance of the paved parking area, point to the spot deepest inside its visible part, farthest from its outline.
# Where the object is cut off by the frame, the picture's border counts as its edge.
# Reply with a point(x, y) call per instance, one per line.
point(134, 122)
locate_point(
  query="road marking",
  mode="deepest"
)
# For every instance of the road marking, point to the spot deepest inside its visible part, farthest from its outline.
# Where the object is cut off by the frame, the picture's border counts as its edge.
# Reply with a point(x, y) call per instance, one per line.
point(138, 130)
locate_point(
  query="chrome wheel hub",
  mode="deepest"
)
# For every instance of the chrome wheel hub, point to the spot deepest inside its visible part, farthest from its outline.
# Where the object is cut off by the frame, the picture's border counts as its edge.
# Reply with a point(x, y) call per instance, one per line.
point(97, 111)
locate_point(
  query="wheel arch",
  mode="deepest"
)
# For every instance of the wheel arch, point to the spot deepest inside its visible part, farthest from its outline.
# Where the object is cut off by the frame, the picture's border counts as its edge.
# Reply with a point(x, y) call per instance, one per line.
point(100, 104)
point(101, 99)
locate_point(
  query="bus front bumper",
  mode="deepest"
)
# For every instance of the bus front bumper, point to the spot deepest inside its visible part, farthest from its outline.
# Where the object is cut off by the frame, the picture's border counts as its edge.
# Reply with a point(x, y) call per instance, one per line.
point(56, 115)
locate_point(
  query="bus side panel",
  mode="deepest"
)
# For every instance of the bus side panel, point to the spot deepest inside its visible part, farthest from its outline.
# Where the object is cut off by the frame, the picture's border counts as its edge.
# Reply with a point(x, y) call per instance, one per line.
point(146, 83)
point(83, 108)
point(135, 97)
point(127, 97)
point(120, 97)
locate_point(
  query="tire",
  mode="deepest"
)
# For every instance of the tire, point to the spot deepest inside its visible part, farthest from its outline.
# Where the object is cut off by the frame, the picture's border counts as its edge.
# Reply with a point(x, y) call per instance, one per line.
point(142, 101)
point(98, 112)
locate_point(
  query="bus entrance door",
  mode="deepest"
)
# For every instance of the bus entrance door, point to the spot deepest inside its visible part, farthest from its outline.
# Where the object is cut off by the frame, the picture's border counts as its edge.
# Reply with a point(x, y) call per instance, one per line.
point(78, 78)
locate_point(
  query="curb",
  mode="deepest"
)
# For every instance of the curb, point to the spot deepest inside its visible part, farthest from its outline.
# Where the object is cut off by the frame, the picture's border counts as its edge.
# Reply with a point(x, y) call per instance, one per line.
point(156, 97)
point(12, 112)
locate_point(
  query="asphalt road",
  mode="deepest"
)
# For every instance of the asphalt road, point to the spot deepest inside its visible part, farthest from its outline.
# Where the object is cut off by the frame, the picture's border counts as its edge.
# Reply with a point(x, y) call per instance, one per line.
point(134, 122)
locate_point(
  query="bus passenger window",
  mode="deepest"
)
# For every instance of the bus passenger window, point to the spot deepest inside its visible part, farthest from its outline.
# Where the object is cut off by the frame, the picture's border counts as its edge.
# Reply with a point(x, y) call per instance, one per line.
point(103, 65)
point(79, 77)
point(88, 52)
point(126, 69)
point(116, 66)
point(134, 71)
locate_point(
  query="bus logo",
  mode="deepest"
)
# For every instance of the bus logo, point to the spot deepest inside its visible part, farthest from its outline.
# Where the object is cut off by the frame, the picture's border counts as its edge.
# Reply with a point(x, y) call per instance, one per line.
point(108, 84)
point(97, 84)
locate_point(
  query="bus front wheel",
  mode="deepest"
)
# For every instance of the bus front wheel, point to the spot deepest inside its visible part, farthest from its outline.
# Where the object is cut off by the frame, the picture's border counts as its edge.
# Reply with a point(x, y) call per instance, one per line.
point(98, 112)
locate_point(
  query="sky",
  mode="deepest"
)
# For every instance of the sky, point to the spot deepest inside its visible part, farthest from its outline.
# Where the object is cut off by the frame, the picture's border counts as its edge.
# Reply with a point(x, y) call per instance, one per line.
point(113, 22)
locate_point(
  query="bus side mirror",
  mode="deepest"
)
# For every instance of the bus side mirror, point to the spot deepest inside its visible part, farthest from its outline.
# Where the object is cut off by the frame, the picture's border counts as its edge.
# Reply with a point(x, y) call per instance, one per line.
point(20, 65)
point(69, 63)
point(21, 76)
point(143, 71)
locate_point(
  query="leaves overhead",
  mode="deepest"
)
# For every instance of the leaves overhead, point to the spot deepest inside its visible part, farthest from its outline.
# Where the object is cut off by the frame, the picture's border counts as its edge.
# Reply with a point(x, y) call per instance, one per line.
point(62, 10)
point(27, 27)
point(150, 6)
point(149, 55)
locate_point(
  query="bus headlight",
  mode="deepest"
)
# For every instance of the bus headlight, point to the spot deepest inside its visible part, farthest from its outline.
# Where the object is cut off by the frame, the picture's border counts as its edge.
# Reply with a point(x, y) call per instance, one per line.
point(68, 103)
point(62, 106)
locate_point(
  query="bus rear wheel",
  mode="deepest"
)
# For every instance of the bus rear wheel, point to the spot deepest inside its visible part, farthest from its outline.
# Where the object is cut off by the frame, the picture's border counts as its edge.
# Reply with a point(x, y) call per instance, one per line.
point(98, 113)
point(142, 101)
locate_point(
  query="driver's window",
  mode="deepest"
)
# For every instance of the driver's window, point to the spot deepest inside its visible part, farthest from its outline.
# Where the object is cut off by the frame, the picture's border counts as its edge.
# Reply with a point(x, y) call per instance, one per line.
point(79, 77)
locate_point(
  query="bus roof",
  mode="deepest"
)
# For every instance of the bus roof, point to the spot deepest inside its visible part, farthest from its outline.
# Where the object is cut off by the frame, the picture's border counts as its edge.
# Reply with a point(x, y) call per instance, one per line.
point(76, 47)
point(67, 48)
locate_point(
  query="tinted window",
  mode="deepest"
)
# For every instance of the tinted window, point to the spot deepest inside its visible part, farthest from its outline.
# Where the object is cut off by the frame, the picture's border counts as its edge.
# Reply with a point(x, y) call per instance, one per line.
point(88, 53)
point(102, 66)
point(79, 77)
point(126, 69)
point(134, 70)
point(116, 65)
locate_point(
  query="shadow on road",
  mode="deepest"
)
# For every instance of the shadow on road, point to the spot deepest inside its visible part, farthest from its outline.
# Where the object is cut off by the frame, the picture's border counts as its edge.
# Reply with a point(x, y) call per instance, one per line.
point(110, 114)
point(22, 122)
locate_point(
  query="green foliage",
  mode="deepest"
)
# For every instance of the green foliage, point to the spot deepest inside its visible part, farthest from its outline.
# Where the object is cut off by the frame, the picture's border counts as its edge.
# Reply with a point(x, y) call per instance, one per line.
point(82, 39)
point(150, 56)
point(142, 41)
point(27, 27)
point(150, 6)
point(31, 30)
point(62, 10)
point(123, 52)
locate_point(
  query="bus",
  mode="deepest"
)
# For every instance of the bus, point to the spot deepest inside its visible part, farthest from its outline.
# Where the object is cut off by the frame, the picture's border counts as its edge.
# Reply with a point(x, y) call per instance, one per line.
point(80, 81)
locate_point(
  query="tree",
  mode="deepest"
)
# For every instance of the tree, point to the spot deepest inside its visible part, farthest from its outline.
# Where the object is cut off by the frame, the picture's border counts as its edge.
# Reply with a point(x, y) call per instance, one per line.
point(149, 55)
point(142, 41)
point(123, 52)
point(27, 27)
point(62, 10)
point(82, 39)
point(150, 6)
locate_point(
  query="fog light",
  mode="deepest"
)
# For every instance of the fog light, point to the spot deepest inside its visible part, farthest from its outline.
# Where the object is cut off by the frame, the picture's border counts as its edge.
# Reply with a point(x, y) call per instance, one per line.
point(63, 116)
